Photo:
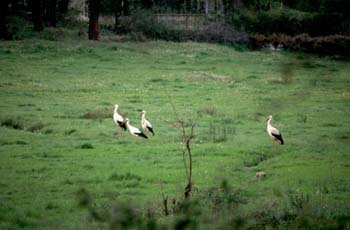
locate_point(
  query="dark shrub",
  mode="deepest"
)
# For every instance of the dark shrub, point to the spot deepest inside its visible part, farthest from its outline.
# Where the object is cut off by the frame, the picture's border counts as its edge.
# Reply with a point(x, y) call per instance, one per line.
point(330, 45)
point(87, 146)
point(15, 123)
point(142, 25)
point(293, 22)
point(37, 126)
point(220, 32)
point(53, 34)
point(19, 27)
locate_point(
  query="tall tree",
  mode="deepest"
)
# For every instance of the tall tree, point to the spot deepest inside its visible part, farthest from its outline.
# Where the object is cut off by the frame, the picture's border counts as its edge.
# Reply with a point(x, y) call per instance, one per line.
point(206, 7)
point(63, 6)
point(116, 7)
point(147, 3)
point(51, 9)
point(37, 15)
point(94, 13)
point(3, 13)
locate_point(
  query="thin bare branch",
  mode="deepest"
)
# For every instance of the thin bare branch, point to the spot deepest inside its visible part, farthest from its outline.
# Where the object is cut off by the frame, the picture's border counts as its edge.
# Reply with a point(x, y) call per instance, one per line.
point(172, 105)
point(186, 140)
point(184, 160)
point(165, 201)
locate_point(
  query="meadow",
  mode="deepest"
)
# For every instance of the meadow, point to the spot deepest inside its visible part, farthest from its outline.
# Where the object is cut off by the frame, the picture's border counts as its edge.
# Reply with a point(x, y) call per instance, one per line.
point(57, 135)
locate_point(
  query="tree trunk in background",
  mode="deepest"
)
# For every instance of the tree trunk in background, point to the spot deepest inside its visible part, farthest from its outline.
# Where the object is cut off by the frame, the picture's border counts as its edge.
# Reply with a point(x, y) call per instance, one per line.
point(147, 4)
point(3, 13)
point(14, 9)
point(94, 13)
point(51, 16)
point(126, 7)
point(116, 22)
point(206, 7)
point(37, 15)
point(229, 7)
point(118, 11)
point(63, 6)
point(238, 3)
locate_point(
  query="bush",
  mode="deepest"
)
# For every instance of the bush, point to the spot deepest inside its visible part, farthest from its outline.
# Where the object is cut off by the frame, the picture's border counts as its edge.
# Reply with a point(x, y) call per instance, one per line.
point(142, 22)
point(222, 207)
point(15, 123)
point(330, 45)
point(53, 34)
point(142, 25)
point(19, 28)
point(220, 32)
point(293, 22)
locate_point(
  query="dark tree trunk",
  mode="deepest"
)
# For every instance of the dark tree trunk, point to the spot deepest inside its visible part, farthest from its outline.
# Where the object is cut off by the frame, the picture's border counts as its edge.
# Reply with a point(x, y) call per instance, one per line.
point(147, 3)
point(94, 13)
point(4, 34)
point(117, 11)
point(14, 9)
point(206, 7)
point(51, 12)
point(63, 6)
point(126, 7)
point(116, 22)
point(37, 15)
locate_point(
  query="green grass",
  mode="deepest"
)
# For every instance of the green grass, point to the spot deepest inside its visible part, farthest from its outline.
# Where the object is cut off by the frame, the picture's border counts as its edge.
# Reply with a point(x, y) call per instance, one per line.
point(57, 135)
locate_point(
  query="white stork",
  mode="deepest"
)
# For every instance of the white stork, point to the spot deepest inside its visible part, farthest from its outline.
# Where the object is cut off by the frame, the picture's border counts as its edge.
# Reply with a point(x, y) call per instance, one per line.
point(135, 131)
point(146, 125)
point(275, 135)
point(118, 119)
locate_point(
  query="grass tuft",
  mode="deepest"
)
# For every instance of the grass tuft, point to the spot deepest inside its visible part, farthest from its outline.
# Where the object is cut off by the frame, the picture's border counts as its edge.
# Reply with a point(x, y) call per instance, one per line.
point(51, 206)
point(87, 146)
point(98, 114)
point(69, 132)
point(254, 159)
point(15, 123)
point(21, 142)
point(35, 127)
point(209, 110)
point(122, 177)
point(84, 198)
point(310, 65)
point(302, 118)
point(48, 131)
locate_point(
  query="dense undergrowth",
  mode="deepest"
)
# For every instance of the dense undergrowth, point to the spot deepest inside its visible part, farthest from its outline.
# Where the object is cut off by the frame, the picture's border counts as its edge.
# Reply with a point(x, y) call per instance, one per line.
point(221, 207)
point(280, 27)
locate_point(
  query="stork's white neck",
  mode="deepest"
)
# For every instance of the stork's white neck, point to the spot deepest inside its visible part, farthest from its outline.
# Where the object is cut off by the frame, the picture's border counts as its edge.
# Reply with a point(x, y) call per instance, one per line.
point(268, 122)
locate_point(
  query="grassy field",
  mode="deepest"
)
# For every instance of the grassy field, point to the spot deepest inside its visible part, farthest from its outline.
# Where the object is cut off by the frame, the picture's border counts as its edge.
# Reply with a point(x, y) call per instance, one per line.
point(57, 135)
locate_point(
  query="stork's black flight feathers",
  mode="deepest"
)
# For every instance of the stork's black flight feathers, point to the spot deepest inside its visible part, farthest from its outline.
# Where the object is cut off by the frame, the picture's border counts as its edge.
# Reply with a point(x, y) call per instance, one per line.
point(278, 137)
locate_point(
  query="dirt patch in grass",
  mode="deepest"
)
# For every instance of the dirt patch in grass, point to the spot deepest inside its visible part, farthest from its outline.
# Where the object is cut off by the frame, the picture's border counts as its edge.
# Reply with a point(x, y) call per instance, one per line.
point(102, 113)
